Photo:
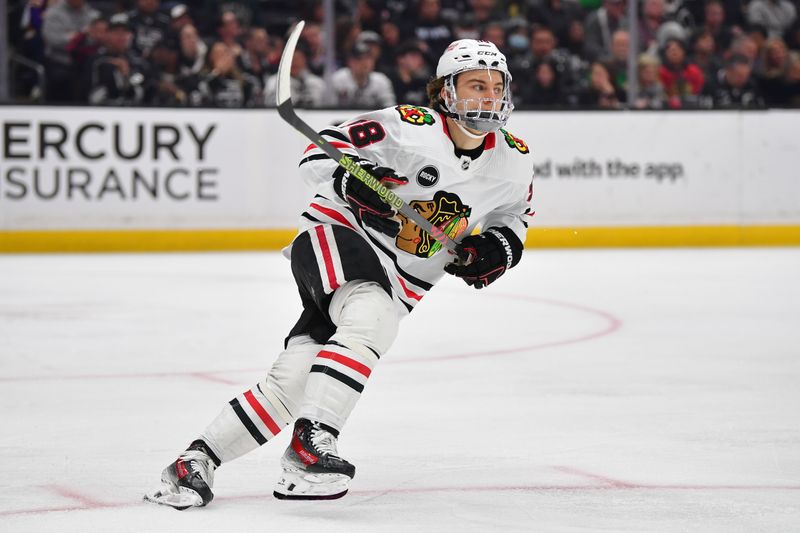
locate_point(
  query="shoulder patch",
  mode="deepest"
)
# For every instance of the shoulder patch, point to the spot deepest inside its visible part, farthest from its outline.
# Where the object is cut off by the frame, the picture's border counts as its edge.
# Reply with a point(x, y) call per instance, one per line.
point(515, 142)
point(418, 116)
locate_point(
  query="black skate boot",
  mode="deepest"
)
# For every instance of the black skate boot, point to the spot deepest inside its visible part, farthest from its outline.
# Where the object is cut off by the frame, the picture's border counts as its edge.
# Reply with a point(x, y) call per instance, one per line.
point(187, 482)
point(312, 468)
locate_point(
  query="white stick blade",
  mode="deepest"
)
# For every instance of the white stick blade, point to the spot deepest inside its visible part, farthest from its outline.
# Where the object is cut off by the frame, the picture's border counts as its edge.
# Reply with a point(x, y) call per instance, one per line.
point(284, 91)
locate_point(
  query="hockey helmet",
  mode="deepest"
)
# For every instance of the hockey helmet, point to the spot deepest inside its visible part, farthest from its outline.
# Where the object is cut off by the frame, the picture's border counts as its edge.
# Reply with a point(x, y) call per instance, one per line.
point(470, 54)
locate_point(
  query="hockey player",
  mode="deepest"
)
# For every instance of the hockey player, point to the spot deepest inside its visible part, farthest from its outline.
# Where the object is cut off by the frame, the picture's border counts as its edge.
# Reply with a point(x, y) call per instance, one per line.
point(360, 267)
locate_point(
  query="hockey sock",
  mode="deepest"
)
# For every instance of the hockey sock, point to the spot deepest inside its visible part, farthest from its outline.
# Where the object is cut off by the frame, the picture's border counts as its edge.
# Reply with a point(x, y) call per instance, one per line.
point(248, 421)
point(200, 445)
point(335, 382)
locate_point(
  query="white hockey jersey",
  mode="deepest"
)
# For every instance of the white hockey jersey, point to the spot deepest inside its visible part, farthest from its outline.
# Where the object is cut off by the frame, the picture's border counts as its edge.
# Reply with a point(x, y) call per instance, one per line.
point(458, 194)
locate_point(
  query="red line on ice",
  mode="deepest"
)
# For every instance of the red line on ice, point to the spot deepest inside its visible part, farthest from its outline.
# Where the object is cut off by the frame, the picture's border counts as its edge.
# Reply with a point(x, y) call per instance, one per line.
point(612, 324)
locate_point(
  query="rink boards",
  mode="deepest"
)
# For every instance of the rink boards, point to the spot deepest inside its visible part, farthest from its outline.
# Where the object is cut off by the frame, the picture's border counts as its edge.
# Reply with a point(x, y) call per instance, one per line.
point(74, 179)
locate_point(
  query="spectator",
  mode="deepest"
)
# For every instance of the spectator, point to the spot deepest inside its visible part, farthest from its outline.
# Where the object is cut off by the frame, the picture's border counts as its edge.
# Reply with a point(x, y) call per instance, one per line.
point(347, 32)
point(390, 33)
point(557, 15)
point(430, 28)
point(308, 90)
point(651, 92)
point(617, 61)
point(543, 48)
point(758, 33)
point(410, 76)
point(734, 87)
point(652, 17)
point(179, 18)
point(746, 46)
point(252, 62)
point(369, 14)
point(119, 75)
point(792, 36)
point(87, 43)
point(224, 85)
point(681, 79)
point(358, 85)
point(164, 58)
point(84, 47)
point(193, 50)
point(274, 53)
point(791, 97)
point(495, 33)
point(517, 39)
point(545, 87)
point(31, 44)
point(466, 27)
point(773, 72)
point(600, 25)
point(62, 22)
point(373, 42)
point(486, 11)
point(576, 38)
point(229, 30)
point(148, 24)
point(704, 53)
point(600, 91)
point(312, 39)
point(775, 15)
point(714, 22)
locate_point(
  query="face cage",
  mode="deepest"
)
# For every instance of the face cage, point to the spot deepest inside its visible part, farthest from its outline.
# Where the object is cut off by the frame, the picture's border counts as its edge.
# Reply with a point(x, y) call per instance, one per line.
point(470, 111)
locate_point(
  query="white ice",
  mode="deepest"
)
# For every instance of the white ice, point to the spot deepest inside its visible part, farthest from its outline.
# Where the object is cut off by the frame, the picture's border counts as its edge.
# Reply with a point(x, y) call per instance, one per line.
point(596, 391)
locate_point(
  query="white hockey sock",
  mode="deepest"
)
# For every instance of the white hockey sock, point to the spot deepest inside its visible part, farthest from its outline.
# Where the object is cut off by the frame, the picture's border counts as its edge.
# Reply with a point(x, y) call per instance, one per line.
point(247, 422)
point(335, 382)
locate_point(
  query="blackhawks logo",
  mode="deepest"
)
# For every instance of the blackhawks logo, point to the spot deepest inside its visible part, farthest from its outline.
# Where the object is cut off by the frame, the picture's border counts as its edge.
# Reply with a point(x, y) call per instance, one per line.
point(418, 116)
point(446, 211)
point(515, 142)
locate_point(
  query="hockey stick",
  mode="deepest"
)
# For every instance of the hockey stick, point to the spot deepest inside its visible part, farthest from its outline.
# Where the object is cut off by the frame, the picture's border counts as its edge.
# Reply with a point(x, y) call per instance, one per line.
point(287, 113)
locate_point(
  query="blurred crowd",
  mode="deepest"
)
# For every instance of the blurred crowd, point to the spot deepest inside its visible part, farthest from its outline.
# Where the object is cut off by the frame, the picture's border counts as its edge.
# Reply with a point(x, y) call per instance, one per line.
point(562, 53)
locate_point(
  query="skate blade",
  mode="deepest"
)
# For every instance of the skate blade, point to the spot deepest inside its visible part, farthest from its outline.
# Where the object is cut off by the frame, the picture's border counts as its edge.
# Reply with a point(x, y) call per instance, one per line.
point(306, 486)
point(182, 500)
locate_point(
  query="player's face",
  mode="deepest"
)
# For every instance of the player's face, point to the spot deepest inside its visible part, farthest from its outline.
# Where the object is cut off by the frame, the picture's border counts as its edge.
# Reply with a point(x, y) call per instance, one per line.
point(482, 85)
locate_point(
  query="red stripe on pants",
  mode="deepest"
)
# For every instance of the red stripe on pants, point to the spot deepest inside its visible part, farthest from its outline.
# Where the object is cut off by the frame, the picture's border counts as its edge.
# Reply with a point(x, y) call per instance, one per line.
point(326, 255)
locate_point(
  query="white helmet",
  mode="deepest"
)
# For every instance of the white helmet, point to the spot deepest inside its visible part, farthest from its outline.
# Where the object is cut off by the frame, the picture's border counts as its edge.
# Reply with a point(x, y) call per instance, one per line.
point(469, 54)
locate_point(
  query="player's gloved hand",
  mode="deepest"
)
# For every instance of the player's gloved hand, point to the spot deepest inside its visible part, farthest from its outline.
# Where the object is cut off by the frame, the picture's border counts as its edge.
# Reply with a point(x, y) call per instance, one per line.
point(365, 202)
point(490, 253)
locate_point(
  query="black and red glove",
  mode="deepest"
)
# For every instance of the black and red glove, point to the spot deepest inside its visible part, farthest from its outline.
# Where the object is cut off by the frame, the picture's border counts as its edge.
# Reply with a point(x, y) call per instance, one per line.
point(366, 204)
point(490, 253)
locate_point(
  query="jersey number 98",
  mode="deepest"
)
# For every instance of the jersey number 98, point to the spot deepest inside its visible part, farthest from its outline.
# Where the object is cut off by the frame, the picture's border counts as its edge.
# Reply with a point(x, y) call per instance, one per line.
point(366, 133)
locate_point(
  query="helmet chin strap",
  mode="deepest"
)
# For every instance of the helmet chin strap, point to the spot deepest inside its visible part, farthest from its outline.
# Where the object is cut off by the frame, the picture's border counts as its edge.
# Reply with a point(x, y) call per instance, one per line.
point(468, 133)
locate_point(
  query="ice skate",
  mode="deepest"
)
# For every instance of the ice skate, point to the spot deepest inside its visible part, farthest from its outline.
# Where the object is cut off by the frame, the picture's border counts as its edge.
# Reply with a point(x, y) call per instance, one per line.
point(187, 482)
point(312, 468)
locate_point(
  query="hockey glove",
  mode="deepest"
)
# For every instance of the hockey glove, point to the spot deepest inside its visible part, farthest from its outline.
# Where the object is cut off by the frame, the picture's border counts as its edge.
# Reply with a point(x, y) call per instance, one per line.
point(366, 204)
point(491, 253)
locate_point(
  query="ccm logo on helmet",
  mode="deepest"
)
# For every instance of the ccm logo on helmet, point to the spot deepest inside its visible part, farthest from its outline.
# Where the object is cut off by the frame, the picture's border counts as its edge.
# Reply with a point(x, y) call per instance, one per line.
point(485, 53)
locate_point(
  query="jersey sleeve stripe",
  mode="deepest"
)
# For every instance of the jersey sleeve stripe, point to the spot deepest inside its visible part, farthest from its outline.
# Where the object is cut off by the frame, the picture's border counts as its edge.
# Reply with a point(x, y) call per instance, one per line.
point(335, 215)
point(335, 144)
point(315, 157)
point(335, 134)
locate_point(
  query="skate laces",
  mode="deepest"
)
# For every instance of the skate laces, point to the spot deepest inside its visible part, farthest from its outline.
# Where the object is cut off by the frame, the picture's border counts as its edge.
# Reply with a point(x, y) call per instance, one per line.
point(201, 463)
point(323, 441)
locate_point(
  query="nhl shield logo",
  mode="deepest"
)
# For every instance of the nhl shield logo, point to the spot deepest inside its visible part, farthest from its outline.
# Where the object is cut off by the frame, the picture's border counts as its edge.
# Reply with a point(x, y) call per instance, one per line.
point(428, 176)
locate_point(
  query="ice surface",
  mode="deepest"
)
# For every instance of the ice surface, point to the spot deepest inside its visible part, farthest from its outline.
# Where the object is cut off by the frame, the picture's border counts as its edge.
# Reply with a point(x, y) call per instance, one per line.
point(614, 390)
